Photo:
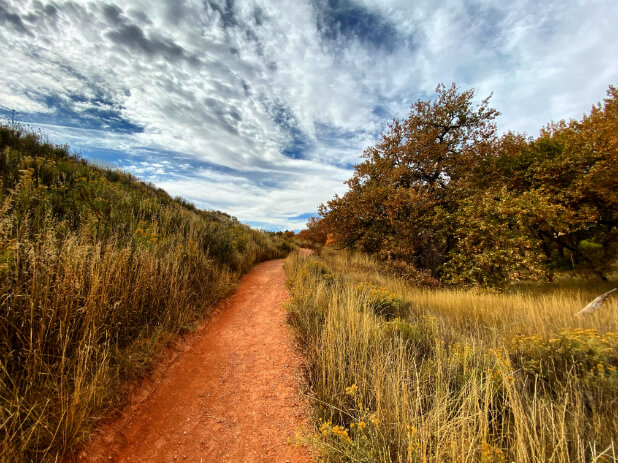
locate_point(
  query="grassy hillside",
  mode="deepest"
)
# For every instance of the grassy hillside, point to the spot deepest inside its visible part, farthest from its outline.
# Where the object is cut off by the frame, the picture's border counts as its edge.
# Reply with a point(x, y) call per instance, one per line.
point(405, 374)
point(97, 271)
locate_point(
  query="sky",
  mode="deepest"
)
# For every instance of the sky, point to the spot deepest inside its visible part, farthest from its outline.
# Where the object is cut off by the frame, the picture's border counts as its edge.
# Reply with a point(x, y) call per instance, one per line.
point(261, 108)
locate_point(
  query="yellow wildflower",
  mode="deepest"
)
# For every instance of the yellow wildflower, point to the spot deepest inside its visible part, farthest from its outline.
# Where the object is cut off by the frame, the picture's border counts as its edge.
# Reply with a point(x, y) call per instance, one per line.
point(341, 432)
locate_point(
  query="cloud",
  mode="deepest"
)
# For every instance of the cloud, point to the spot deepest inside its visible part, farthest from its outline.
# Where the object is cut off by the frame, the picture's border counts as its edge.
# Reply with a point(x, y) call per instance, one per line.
point(261, 108)
point(13, 20)
point(345, 20)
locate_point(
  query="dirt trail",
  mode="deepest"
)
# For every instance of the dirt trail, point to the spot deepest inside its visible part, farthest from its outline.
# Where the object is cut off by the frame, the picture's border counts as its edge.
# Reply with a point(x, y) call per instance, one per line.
point(231, 395)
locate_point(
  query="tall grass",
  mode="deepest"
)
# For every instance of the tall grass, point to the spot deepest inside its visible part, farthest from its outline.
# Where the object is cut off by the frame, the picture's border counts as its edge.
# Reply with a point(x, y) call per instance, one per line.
point(402, 374)
point(98, 271)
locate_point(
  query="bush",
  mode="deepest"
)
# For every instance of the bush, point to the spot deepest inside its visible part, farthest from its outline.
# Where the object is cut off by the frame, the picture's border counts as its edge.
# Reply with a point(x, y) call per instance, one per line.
point(420, 338)
point(381, 301)
point(585, 355)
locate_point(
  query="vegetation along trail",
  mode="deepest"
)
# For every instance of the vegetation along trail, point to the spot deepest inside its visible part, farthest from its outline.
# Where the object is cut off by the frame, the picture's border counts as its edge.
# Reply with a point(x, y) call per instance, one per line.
point(231, 396)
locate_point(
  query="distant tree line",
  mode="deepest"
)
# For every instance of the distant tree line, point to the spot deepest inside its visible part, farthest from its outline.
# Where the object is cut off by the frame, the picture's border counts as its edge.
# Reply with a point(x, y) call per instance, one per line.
point(444, 198)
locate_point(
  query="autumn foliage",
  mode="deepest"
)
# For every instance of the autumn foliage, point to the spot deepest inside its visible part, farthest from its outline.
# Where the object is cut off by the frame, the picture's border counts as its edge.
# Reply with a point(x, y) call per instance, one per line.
point(441, 193)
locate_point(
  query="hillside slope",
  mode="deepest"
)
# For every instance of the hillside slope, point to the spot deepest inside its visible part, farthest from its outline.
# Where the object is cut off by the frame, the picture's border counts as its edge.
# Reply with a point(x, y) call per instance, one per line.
point(97, 271)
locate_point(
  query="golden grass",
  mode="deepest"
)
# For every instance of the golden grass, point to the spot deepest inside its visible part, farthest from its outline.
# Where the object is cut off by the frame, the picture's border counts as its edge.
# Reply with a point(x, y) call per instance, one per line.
point(527, 308)
point(460, 376)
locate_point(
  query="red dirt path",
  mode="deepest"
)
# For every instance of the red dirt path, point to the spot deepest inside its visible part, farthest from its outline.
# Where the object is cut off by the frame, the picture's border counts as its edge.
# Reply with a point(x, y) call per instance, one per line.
point(231, 395)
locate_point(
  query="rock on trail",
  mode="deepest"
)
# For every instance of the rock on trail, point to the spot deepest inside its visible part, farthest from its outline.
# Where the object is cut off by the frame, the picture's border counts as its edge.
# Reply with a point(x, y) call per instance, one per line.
point(230, 395)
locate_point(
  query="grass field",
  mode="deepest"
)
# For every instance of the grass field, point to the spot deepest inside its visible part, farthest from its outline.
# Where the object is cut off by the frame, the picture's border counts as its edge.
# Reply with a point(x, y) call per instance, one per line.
point(402, 374)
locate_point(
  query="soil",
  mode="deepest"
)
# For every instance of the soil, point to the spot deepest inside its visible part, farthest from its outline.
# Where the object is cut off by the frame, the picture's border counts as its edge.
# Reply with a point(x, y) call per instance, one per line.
point(228, 393)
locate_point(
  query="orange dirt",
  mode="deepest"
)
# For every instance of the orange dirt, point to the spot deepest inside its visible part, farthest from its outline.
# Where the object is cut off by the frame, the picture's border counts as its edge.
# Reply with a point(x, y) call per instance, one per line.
point(230, 395)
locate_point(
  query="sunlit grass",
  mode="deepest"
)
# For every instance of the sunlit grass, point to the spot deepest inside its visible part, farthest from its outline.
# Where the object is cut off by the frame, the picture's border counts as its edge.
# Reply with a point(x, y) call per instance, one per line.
point(460, 375)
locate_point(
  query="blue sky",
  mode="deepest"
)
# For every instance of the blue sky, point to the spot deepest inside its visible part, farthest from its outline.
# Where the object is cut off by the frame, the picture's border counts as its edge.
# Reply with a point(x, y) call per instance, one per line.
point(260, 108)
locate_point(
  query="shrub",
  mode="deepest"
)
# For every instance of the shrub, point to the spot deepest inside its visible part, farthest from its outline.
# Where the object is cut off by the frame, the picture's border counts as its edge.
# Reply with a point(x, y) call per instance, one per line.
point(316, 268)
point(420, 337)
point(584, 355)
point(381, 301)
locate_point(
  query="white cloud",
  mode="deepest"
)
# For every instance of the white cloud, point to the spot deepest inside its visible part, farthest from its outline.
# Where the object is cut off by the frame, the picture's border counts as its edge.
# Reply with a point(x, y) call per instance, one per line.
point(237, 85)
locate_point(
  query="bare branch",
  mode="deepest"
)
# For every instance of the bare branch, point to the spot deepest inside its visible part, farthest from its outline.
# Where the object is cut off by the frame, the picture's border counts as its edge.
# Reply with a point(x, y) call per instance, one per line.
point(595, 304)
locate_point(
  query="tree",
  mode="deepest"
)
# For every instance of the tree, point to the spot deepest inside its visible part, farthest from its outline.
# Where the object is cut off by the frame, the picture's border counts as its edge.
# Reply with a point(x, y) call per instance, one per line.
point(314, 233)
point(554, 203)
point(441, 192)
point(401, 196)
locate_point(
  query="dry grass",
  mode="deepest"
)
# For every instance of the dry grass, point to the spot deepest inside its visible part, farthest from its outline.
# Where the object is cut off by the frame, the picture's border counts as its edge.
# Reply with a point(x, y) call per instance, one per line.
point(402, 374)
point(98, 272)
